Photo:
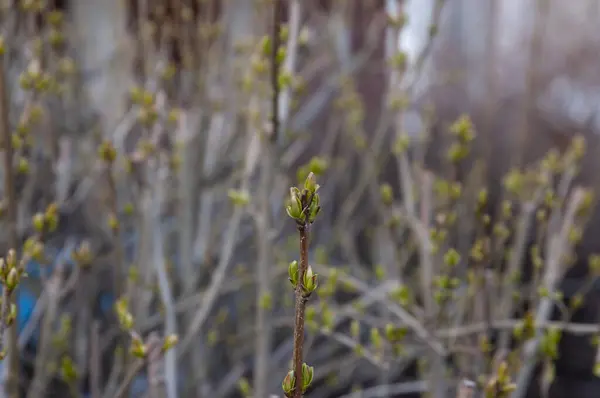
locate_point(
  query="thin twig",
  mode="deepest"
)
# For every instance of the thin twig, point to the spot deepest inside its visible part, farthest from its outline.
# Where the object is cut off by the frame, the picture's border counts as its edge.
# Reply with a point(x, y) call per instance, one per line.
point(95, 363)
point(263, 335)
point(220, 273)
point(300, 310)
point(45, 351)
point(12, 358)
point(134, 369)
point(559, 247)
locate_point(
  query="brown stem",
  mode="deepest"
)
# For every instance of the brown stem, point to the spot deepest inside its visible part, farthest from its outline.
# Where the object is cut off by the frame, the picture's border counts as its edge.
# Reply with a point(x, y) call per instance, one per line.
point(276, 38)
point(119, 283)
point(300, 307)
point(4, 315)
point(9, 192)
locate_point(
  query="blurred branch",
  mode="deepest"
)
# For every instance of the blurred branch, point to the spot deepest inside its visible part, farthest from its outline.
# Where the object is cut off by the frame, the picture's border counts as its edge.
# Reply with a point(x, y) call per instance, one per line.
point(164, 288)
point(559, 247)
point(133, 371)
point(46, 350)
point(229, 244)
point(10, 346)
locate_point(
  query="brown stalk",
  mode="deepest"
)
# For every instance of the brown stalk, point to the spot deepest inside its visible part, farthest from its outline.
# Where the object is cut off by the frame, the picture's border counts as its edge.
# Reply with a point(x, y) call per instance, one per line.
point(275, 66)
point(9, 192)
point(300, 309)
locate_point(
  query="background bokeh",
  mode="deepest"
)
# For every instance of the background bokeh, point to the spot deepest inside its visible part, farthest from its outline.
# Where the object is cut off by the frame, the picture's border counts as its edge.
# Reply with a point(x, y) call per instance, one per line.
point(190, 214)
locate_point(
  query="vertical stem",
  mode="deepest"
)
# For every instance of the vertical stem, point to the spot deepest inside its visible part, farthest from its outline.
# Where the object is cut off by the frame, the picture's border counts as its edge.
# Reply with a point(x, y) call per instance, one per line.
point(263, 338)
point(300, 307)
point(95, 364)
point(531, 79)
point(119, 274)
point(9, 192)
point(276, 39)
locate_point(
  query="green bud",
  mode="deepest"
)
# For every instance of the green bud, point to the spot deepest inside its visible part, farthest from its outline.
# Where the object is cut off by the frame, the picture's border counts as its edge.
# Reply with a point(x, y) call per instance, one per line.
point(280, 57)
point(387, 195)
point(309, 282)
point(293, 273)
point(3, 269)
point(310, 184)
point(23, 166)
point(37, 251)
point(239, 198)
point(266, 45)
point(354, 328)
point(12, 279)
point(318, 165)
point(307, 376)
point(294, 205)
point(127, 321)
point(244, 386)
point(11, 259)
point(376, 338)
point(395, 334)
point(138, 348)
point(107, 152)
point(82, 256)
point(314, 208)
point(170, 342)
point(452, 258)
point(68, 370)
point(289, 383)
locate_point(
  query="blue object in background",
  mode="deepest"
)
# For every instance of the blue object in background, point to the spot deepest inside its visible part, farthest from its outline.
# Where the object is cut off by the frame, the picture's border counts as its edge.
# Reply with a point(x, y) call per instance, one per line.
point(26, 301)
point(29, 291)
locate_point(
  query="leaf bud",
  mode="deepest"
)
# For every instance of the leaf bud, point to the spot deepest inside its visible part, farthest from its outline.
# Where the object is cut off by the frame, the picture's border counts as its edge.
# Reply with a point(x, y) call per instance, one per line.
point(293, 273)
point(170, 342)
point(309, 282)
point(289, 383)
point(307, 376)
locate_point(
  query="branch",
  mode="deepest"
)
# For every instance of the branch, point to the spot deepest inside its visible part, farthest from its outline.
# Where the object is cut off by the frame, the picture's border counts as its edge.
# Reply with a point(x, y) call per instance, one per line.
point(10, 197)
point(559, 247)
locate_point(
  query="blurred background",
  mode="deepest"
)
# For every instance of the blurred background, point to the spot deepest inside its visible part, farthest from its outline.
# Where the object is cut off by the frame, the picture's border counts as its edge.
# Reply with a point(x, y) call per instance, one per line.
point(147, 127)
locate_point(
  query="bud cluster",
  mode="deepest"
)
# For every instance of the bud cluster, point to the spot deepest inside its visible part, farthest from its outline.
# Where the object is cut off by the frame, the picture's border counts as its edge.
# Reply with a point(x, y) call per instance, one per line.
point(289, 382)
point(47, 221)
point(139, 347)
point(11, 272)
point(303, 206)
point(309, 279)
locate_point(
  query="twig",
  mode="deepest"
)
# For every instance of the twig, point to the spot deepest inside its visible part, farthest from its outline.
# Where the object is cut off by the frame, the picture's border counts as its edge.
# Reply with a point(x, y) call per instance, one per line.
point(275, 67)
point(263, 332)
point(426, 277)
point(167, 299)
point(559, 247)
point(134, 369)
point(154, 358)
point(113, 378)
point(12, 381)
point(95, 363)
point(294, 18)
point(510, 324)
point(300, 310)
point(40, 381)
point(220, 273)
point(505, 304)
